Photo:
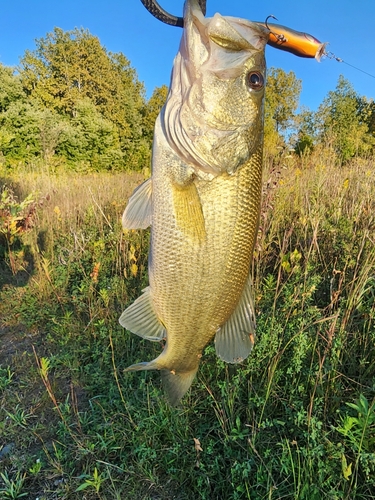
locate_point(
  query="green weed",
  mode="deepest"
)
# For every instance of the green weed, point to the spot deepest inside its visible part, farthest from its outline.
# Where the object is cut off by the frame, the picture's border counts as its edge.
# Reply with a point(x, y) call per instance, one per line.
point(294, 421)
point(19, 416)
point(94, 481)
point(12, 488)
point(6, 376)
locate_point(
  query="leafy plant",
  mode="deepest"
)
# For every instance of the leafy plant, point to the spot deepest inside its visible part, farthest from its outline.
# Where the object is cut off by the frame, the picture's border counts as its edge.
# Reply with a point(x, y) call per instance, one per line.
point(275, 426)
point(19, 416)
point(94, 481)
point(6, 376)
point(12, 488)
point(360, 430)
point(15, 216)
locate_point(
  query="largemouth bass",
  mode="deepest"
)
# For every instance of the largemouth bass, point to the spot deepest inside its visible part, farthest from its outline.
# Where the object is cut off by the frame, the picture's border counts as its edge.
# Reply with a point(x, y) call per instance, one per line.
point(203, 200)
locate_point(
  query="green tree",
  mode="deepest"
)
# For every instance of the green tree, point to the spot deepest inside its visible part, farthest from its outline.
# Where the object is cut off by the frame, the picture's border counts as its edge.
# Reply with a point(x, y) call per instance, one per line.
point(10, 88)
point(20, 131)
point(366, 110)
point(28, 130)
point(67, 67)
point(152, 109)
point(90, 140)
point(281, 102)
point(344, 122)
point(306, 132)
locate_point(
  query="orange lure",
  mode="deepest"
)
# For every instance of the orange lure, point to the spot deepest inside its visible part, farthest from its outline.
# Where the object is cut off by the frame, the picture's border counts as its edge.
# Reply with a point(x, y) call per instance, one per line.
point(296, 42)
point(281, 37)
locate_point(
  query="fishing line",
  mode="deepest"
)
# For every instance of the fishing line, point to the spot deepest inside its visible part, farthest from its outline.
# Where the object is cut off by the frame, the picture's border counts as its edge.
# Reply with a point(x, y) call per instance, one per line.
point(281, 37)
point(358, 69)
point(330, 55)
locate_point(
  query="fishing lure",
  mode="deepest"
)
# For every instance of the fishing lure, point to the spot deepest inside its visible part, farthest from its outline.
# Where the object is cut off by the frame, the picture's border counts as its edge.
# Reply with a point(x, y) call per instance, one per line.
point(298, 43)
point(281, 37)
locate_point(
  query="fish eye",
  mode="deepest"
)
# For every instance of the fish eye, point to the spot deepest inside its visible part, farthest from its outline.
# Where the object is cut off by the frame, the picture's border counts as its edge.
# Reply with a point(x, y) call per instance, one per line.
point(255, 80)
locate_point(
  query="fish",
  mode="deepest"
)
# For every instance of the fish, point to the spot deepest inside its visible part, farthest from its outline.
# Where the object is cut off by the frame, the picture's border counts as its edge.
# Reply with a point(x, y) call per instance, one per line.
point(202, 201)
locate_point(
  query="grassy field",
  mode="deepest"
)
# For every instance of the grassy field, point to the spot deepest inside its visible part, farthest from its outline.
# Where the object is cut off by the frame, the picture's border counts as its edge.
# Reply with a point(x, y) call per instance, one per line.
point(295, 421)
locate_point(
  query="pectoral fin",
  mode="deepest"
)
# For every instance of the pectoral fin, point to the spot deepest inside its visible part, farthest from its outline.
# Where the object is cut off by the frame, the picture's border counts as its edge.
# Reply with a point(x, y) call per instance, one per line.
point(141, 319)
point(188, 212)
point(235, 339)
point(138, 212)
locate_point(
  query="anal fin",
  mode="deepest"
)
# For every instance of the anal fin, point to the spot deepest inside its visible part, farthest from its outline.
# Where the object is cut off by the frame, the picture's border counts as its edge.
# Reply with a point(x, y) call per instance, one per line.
point(138, 213)
point(141, 319)
point(235, 339)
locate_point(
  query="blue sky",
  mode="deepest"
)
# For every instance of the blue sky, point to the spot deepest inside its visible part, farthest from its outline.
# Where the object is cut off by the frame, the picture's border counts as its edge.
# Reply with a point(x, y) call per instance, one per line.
point(125, 26)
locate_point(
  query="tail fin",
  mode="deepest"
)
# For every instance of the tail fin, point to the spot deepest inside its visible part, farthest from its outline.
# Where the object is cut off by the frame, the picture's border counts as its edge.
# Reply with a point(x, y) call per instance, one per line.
point(151, 365)
point(177, 384)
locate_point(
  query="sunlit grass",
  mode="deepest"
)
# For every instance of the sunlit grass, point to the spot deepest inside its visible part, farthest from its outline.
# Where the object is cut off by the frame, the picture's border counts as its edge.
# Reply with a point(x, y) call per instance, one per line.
point(296, 420)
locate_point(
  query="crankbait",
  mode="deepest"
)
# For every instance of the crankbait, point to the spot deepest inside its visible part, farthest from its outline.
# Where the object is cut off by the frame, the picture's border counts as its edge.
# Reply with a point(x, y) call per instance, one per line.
point(298, 43)
point(281, 37)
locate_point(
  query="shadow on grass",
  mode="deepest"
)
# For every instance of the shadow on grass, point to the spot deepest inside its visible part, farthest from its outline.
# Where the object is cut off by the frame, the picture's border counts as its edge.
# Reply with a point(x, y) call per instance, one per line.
point(17, 262)
point(12, 271)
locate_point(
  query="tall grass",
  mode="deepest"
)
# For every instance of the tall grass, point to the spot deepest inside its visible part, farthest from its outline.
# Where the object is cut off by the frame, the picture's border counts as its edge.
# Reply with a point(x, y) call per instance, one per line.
point(296, 420)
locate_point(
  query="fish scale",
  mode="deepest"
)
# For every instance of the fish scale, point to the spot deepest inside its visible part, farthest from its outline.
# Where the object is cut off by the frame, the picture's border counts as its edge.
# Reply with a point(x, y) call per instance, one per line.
point(203, 201)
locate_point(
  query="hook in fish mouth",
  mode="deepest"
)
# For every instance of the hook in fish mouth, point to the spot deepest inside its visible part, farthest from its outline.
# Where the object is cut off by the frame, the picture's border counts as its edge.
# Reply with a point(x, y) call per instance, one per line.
point(154, 8)
point(280, 37)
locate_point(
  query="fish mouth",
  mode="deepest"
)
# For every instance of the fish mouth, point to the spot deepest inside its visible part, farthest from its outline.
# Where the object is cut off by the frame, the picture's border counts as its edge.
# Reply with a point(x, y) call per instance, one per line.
point(162, 15)
point(210, 69)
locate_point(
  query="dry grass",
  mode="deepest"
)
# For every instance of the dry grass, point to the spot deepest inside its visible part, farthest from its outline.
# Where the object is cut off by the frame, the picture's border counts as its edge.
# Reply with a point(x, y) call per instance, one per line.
point(295, 421)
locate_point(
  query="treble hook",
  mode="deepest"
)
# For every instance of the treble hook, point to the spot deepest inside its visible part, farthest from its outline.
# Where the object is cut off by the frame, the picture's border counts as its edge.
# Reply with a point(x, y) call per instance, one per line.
point(279, 36)
point(266, 23)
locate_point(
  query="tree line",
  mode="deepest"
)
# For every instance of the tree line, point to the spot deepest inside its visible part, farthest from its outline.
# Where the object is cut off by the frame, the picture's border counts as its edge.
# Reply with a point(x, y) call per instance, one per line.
point(345, 121)
point(73, 104)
